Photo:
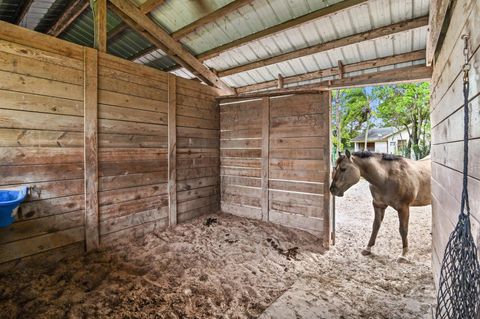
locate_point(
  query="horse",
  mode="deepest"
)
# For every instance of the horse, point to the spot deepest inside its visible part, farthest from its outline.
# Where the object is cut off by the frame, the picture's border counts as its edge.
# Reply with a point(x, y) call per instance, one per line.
point(394, 181)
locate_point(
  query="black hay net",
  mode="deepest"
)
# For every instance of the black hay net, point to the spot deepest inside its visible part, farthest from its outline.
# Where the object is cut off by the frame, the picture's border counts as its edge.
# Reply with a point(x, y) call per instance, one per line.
point(459, 291)
point(459, 288)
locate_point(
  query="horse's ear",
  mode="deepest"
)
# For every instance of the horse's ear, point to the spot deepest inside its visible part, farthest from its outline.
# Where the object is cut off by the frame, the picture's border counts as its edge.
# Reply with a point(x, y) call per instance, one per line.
point(347, 152)
point(339, 153)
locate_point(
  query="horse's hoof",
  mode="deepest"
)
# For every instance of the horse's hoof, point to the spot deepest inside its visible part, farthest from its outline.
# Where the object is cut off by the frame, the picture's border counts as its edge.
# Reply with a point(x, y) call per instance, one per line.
point(402, 260)
point(366, 252)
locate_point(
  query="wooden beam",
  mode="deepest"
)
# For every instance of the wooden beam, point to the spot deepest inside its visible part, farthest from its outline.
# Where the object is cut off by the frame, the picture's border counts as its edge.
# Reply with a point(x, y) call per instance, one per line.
point(76, 8)
point(438, 14)
point(364, 65)
point(156, 43)
point(91, 148)
point(172, 150)
point(99, 9)
point(150, 5)
point(162, 36)
point(23, 11)
point(400, 75)
point(265, 156)
point(340, 69)
point(217, 14)
point(280, 82)
point(321, 13)
point(322, 47)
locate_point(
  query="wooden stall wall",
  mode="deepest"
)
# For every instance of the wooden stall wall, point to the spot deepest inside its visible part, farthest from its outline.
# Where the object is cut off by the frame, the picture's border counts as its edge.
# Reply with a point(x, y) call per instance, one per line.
point(41, 142)
point(447, 128)
point(113, 149)
point(274, 161)
point(132, 157)
point(198, 153)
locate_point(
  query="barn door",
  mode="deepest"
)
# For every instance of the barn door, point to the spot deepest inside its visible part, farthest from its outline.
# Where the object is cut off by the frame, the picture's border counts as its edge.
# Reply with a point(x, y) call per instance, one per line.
point(275, 161)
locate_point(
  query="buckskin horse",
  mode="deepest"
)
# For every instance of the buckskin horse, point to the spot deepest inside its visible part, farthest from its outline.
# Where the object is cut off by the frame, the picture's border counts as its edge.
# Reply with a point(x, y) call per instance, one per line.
point(394, 181)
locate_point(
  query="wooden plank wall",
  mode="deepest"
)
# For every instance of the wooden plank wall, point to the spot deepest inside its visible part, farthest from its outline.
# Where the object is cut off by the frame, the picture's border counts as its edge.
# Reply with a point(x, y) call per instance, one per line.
point(240, 157)
point(274, 160)
point(42, 132)
point(447, 128)
point(41, 142)
point(299, 161)
point(198, 152)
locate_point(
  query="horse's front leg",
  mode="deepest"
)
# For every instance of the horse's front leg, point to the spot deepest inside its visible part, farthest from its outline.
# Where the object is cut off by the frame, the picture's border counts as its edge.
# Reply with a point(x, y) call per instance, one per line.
point(403, 216)
point(377, 222)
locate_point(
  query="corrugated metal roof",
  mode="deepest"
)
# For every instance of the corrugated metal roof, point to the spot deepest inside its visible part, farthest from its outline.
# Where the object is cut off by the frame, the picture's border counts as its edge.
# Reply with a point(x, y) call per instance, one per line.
point(373, 14)
point(36, 12)
point(10, 9)
point(251, 18)
point(128, 44)
point(53, 14)
point(81, 31)
point(375, 134)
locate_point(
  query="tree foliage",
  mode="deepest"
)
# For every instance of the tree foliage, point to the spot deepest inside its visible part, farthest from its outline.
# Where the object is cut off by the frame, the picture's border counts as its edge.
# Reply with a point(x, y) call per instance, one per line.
point(403, 106)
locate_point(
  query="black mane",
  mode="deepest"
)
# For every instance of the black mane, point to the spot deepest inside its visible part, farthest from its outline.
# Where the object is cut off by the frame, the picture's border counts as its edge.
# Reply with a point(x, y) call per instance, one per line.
point(385, 157)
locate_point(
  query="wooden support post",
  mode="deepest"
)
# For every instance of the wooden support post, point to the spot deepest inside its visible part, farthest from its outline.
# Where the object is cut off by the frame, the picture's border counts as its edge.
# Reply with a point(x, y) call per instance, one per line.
point(280, 81)
point(340, 69)
point(91, 148)
point(265, 156)
point(172, 149)
point(99, 8)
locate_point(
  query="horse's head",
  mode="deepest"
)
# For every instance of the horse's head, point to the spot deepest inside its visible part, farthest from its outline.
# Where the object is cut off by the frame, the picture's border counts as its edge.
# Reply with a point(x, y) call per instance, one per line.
point(344, 175)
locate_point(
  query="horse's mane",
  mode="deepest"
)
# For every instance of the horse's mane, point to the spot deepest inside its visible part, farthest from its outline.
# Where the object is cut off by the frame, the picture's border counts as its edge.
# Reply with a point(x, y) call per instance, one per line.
point(385, 157)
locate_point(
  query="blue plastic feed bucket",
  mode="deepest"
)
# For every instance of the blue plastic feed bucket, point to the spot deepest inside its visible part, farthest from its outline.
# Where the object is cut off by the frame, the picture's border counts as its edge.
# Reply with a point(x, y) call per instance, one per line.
point(9, 200)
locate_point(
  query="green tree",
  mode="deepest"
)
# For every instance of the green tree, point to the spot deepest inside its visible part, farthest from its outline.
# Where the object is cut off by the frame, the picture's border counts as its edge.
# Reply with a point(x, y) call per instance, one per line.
point(407, 106)
point(353, 107)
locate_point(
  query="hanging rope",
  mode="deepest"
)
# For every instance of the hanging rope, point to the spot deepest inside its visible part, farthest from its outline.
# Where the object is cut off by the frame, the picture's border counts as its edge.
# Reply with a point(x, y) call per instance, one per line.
point(459, 289)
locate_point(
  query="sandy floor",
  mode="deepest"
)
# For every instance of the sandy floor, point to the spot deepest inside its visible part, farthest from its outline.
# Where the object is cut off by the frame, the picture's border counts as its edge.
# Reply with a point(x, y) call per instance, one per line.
point(237, 268)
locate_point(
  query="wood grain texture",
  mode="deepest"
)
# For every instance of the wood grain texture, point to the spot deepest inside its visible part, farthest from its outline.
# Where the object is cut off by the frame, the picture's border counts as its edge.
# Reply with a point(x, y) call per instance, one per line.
point(92, 239)
point(265, 156)
point(172, 150)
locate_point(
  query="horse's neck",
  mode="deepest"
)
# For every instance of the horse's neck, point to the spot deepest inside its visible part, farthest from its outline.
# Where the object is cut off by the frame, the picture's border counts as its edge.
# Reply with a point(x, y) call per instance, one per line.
point(370, 169)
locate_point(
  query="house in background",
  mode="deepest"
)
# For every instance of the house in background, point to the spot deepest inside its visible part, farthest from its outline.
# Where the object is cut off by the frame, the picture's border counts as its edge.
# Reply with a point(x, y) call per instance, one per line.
point(383, 140)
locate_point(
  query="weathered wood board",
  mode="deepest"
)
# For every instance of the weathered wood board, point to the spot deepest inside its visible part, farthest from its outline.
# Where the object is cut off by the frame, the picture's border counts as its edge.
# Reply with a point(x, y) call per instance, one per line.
point(447, 127)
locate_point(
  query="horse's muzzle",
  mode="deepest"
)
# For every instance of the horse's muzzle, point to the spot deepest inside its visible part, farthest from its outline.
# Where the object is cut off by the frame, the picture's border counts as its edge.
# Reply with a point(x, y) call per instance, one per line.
point(335, 191)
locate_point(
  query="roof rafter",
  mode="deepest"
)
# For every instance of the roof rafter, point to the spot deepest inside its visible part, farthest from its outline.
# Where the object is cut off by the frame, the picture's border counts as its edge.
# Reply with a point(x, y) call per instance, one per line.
point(415, 73)
point(76, 8)
point(217, 14)
point(356, 38)
point(324, 12)
point(150, 5)
point(145, 8)
point(347, 68)
point(175, 47)
point(23, 11)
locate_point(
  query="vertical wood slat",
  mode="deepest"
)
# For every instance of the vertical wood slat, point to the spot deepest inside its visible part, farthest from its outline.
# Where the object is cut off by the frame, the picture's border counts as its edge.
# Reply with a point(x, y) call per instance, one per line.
point(172, 150)
point(265, 156)
point(99, 8)
point(91, 148)
point(328, 201)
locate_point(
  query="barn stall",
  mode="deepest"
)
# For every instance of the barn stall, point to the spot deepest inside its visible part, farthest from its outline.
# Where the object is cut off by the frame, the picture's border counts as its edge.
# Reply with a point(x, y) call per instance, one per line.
point(121, 157)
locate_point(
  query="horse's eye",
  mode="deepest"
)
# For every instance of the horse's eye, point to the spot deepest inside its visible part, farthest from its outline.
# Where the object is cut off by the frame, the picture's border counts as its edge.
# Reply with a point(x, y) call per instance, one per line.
point(343, 169)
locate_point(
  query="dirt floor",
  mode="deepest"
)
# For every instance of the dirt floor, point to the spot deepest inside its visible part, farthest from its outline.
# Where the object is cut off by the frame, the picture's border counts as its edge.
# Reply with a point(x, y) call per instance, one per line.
point(220, 266)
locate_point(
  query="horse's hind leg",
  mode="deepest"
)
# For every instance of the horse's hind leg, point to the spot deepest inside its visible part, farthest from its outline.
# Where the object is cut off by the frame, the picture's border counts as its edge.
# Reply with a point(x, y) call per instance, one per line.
point(379, 214)
point(403, 216)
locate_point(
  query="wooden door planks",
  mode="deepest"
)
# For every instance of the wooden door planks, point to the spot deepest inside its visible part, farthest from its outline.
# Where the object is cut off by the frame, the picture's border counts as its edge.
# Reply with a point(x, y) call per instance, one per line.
point(92, 240)
point(265, 156)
